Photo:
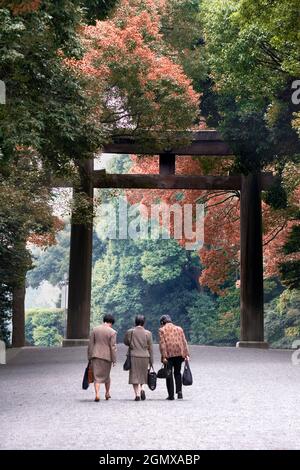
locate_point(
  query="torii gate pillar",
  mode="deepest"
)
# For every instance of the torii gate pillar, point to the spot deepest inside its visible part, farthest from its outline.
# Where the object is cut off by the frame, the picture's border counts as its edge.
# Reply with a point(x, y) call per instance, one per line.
point(251, 263)
point(80, 270)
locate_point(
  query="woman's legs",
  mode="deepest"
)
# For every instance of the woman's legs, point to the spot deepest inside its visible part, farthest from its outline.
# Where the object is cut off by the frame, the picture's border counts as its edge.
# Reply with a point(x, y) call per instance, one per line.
point(107, 389)
point(177, 362)
point(143, 394)
point(136, 389)
point(97, 389)
point(170, 380)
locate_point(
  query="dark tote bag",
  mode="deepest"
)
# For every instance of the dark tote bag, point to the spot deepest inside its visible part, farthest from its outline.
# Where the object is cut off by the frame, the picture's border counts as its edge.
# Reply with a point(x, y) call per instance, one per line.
point(88, 377)
point(85, 380)
point(187, 378)
point(164, 373)
point(127, 363)
point(151, 378)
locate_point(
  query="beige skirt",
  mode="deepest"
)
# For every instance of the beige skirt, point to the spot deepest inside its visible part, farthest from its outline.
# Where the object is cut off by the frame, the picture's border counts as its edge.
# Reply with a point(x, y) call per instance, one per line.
point(138, 373)
point(101, 370)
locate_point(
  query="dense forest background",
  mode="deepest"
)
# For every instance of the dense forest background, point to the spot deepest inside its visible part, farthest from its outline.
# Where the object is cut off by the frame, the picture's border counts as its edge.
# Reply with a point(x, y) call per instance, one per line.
point(77, 72)
point(153, 277)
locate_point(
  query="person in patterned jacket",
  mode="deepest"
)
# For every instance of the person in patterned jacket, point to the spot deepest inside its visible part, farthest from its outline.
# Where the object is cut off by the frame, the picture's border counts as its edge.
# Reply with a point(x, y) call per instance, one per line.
point(174, 350)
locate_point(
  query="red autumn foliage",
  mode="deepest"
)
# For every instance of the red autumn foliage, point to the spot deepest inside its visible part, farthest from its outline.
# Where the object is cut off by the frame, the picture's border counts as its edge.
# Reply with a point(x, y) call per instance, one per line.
point(220, 253)
point(133, 73)
point(47, 238)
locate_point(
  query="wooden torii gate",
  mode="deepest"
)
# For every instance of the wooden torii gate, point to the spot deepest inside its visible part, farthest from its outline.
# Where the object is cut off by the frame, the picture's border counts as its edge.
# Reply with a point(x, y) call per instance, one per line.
point(205, 143)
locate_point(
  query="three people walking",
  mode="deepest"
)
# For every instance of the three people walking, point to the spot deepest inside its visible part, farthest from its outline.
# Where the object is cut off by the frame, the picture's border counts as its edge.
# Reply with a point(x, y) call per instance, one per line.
point(173, 347)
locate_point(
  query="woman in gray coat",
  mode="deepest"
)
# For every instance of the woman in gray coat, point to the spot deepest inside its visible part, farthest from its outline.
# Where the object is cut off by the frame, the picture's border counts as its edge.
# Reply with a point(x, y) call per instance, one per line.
point(139, 341)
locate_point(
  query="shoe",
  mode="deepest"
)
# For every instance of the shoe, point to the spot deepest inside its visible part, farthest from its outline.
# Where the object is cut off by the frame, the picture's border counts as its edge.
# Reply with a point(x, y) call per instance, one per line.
point(170, 398)
point(107, 396)
point(97, 399)
point(143, 395)
point(137, 399)
point(179, 396)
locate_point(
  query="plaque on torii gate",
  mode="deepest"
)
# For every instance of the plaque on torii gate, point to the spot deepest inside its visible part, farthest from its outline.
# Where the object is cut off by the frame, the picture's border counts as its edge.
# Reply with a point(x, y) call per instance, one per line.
point(200, 143)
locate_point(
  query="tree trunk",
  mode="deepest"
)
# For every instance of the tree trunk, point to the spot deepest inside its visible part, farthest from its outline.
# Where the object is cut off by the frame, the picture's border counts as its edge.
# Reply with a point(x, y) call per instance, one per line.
point(18, 316)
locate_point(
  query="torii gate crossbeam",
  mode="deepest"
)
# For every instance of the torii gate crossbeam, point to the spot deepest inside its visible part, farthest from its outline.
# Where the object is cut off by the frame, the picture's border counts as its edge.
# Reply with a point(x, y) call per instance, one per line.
point(203, 143)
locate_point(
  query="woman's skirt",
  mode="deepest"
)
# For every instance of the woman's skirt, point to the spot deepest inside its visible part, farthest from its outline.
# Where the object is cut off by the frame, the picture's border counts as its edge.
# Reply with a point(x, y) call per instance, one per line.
point(138, 373)
point(101, 370)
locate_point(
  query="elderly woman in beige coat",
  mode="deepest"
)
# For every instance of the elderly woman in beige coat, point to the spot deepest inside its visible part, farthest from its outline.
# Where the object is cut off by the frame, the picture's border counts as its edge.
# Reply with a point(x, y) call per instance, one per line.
point(102, 351)
point(139, 342)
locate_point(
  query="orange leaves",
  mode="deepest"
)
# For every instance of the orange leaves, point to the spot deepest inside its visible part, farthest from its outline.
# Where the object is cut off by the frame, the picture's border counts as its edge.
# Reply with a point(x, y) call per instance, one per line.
point(21, 7)
point(219, 256)
point(127, 35)
point(47, 238)
point(136, 76)
point(220, 253)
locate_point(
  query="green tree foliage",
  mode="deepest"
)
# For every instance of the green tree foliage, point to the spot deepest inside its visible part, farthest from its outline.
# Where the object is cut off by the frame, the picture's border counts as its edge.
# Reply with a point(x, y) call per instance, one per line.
point(226, 329)
point(244, 54)
point(160, 265)
point(248, 91)
point(252, 53)
point(24, 212)
point(156, 277)
point(181, 29)
point(148, 277)
point(46, 336)
point(52, 262)
point(97, 9)
point(282, 321)
point(5, 316)
point(272, 289)
point(281, 21)
point(46, 107)
point(119, 164)
point(229, 312)
point(290, 274)
point(44, 327)
point(45, 123)
point(290, 270)
point(203, 315)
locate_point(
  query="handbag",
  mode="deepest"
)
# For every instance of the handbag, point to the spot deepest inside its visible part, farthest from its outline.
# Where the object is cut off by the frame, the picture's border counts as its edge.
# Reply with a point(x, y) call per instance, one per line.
point(164, 373)
point(90, 373)
point(85, 380)
point(152, 378)
point(87, 376)
point(187, 378)
point(127, 363)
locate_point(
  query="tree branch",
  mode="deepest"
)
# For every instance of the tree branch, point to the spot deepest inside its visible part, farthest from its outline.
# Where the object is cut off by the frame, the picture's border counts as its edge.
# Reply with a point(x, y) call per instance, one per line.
point(277, 231)
point(221, 202)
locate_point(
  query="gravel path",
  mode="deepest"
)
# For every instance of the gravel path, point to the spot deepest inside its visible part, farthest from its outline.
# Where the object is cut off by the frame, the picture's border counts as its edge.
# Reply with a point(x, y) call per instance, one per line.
point(241, 399)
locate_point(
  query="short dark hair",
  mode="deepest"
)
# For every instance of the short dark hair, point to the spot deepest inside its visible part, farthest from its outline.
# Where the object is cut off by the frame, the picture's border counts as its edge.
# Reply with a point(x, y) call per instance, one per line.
point(165, 319)
point(108, 318)
point(139, 320)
